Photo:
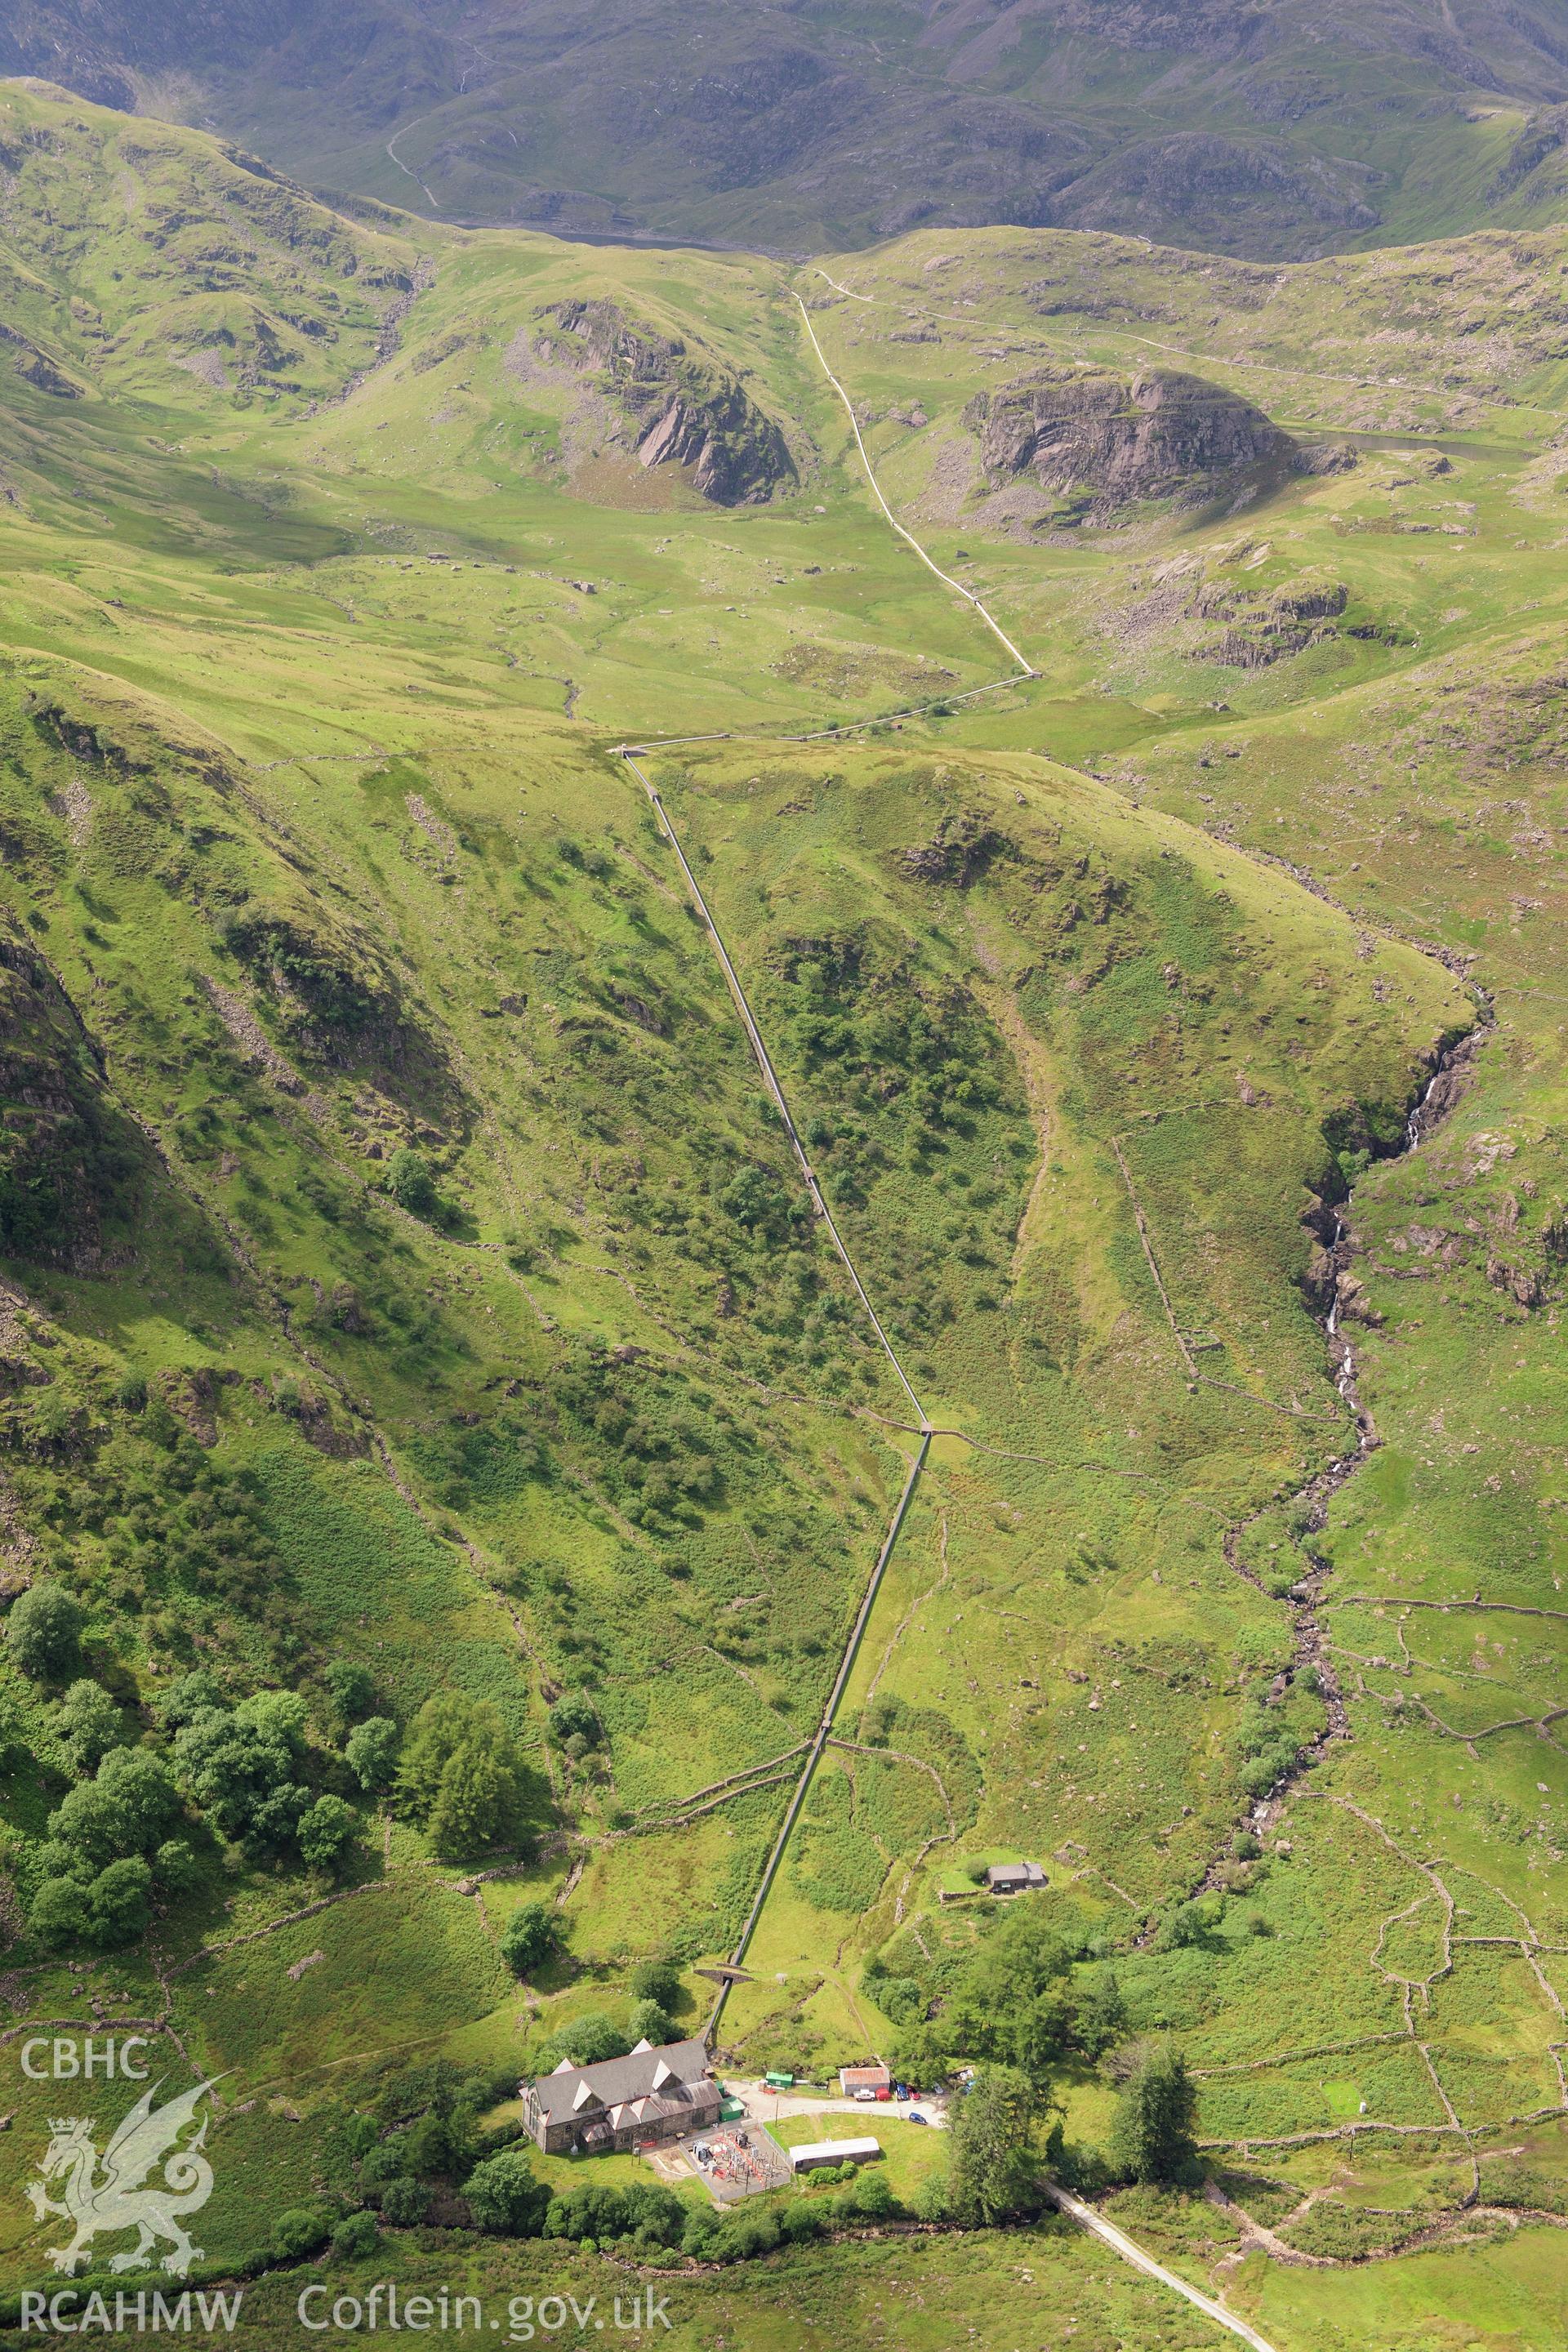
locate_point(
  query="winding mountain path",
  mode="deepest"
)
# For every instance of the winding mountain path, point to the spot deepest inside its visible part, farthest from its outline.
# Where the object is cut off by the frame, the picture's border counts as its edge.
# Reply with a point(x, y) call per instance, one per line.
point(408, 169)
point(1027, 669)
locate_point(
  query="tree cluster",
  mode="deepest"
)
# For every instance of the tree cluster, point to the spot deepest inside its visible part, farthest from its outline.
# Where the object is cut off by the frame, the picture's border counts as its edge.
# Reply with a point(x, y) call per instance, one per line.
point(429, 2144)
point(1023, 2006)
point(245, 1767)
point(108, 1847)
point(133, 1829)
point(1018, 2001)
point(461, 1778)
point(857, 1007)
point(131, 1509)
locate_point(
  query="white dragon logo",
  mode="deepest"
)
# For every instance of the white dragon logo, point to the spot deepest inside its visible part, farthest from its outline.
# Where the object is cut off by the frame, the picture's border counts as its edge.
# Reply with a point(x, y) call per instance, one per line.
point(119, 2197)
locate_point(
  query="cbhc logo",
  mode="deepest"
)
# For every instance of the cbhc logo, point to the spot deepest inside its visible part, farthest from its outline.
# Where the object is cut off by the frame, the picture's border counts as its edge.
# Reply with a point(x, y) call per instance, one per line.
point(69, 2061)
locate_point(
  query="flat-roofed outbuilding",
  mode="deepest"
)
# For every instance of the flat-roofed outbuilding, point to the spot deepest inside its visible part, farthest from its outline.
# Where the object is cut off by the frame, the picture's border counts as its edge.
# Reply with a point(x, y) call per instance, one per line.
point(817, 2154)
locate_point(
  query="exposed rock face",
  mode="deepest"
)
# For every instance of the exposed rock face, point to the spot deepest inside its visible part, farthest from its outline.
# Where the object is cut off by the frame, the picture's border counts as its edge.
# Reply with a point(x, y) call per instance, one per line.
point(714, 438)
point(1109, 441)
point(1260, 629)
point(964, 845)
point(68, 1157)
point(35, 368)
point(1542, 134)
point(681, 411)
point(1230, 194)
point(341, 1004)
point(1257, 625)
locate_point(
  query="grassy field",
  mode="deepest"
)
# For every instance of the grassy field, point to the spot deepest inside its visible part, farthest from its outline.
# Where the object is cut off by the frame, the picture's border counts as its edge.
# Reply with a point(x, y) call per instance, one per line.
point(317, 851)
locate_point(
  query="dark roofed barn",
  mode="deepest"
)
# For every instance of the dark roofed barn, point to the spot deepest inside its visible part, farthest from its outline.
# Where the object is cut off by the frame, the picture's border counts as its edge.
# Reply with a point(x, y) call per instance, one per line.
point(621, 2103)
point(1013, 1877)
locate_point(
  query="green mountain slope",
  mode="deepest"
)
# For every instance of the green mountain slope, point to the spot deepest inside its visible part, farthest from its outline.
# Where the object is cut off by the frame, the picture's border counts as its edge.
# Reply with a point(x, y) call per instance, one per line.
point(406, 1269)
point(1272, 131)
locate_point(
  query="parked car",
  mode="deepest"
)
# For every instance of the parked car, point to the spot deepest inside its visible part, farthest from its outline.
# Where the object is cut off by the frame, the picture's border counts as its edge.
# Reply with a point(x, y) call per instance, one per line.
point(885, 2092)
point(866, 2097)
point(916, 2117)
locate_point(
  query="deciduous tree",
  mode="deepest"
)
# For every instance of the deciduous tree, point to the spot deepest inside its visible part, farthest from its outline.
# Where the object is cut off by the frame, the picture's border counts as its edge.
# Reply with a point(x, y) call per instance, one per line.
point(42, 1631)
point(325, 1831)
point(371, 1750)
point(529, 1936)
point(504, 2197)
point(89, 1724)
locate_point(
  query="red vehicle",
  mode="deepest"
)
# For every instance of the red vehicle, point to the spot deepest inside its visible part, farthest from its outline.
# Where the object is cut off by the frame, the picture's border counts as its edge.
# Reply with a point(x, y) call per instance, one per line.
point(885, 2092)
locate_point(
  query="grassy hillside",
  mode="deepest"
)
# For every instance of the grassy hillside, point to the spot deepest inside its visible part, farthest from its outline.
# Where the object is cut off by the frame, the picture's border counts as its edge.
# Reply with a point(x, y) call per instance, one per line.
point(406, 1269)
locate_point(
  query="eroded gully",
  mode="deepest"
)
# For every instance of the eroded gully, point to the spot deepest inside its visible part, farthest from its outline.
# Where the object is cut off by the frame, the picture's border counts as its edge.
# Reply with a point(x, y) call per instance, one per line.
point(1341, 1297)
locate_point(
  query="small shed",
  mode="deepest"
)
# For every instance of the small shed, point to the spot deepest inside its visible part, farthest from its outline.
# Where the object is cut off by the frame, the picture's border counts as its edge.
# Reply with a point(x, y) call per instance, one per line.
point(874, 2077)
point(818, 2155)
point(1015, 1877)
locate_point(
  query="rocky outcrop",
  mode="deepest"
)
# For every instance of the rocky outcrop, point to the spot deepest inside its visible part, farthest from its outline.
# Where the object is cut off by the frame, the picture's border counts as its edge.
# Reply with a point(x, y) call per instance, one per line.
point(1257, 625)
point(339, 1004)
point(1227, 196)
point(965, 843)
point(679, 410)
point(36, 368)
point(330, 991)
point(1541, 134)
point(1261, 627)
point(1106, 441)
point(69, 1162)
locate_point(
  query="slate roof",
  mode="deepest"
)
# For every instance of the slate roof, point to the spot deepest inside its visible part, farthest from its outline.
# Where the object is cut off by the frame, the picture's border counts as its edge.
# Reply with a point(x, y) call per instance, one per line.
point(1010, 1875)
point(573, 2094)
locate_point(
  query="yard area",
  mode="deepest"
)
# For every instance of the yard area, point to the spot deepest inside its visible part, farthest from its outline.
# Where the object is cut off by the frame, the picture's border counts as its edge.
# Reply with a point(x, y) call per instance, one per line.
point(910, 2152)
point(953, 1878)
point(615, 2171)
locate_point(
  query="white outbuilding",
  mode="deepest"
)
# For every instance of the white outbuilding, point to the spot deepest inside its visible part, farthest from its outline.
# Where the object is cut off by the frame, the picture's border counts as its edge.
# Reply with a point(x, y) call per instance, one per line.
point(818, 2154)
